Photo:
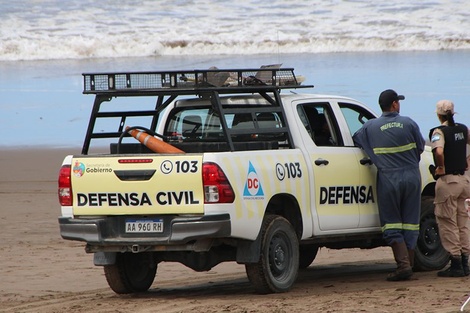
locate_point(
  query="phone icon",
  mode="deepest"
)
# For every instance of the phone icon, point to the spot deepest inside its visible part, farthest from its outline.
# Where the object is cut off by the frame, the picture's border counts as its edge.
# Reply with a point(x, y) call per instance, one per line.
point(166, 167)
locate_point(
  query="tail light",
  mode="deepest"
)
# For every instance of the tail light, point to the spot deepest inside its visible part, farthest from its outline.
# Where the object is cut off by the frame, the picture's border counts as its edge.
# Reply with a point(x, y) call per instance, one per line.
point(65, 186)
point(217, 188)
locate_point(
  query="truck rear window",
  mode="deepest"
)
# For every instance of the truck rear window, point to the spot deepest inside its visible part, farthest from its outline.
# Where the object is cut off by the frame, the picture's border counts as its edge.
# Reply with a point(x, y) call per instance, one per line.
point(204, 125)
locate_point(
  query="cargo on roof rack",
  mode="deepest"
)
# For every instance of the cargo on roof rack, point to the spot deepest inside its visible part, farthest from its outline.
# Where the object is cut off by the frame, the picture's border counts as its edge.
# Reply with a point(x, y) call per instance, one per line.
point(192, 81)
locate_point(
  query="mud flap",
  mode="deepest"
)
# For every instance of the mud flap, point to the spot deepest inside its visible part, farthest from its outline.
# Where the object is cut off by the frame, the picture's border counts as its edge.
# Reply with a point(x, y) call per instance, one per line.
point(104, 258)
point(249, 251)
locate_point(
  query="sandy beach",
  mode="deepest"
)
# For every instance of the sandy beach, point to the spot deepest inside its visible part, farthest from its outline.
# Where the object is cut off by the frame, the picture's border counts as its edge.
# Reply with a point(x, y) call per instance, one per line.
point(350, 48)
point(41, 272)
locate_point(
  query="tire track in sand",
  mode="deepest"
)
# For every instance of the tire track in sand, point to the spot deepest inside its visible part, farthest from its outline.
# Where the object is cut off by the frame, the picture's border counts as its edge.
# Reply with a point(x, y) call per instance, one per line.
point(169, 295)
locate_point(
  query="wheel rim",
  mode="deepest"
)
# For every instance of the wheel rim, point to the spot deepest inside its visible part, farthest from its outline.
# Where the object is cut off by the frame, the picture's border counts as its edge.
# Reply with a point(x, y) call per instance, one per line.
point(279, 256)
point(430, 242)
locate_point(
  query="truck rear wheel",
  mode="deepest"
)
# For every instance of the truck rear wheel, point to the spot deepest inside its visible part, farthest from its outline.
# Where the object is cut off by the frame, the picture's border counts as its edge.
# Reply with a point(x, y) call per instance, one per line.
point(429, 253)
point(132, 272)
point(277, 268)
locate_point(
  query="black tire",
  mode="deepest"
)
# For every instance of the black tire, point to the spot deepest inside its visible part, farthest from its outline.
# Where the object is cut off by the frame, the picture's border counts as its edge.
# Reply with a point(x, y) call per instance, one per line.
point(307, 253)
point(278, 266)
point(429, 253)
point(132, 272)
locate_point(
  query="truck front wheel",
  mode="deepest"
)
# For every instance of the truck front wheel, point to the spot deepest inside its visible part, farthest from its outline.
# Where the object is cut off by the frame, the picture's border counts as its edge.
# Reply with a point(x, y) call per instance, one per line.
point(132, 272)
point(277, 268)
point(429, 253)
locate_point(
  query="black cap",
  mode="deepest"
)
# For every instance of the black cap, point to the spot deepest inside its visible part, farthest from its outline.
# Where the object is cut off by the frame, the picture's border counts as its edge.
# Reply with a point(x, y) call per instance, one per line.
point(387, 97)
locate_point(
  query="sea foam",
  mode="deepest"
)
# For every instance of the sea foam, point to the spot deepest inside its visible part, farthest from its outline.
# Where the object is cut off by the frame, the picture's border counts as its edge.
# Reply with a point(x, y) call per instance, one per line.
point(77, 29)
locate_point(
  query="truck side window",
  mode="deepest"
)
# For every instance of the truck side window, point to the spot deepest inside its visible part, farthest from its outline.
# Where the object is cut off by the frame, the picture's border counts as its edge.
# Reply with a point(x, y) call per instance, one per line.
point(355, 116)
point(318, 122)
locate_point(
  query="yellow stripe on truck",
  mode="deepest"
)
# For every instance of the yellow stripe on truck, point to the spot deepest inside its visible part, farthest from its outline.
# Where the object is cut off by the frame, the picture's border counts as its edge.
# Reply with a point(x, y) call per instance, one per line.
point(257, 176)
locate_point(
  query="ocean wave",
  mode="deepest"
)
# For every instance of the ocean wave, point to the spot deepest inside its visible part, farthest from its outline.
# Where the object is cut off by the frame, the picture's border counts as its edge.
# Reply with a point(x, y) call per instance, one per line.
point(74, 29)
point(83, 49)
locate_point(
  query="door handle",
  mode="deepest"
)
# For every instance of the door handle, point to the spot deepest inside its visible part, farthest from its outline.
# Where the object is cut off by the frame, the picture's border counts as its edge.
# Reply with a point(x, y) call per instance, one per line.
point(365, 161)
point(321, 162)
point(134, 175)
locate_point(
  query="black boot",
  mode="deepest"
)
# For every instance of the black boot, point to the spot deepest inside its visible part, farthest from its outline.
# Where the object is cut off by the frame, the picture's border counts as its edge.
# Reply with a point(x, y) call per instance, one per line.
point(455, 269)
point(403, 271)
point(465, 267)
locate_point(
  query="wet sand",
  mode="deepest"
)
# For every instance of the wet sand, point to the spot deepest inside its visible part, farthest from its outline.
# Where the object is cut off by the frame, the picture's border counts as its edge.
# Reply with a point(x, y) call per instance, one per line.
point(40, 272)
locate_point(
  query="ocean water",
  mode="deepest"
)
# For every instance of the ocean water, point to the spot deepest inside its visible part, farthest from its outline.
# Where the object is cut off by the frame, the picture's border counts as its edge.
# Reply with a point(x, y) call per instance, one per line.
point(81, 29)
point(353, 48)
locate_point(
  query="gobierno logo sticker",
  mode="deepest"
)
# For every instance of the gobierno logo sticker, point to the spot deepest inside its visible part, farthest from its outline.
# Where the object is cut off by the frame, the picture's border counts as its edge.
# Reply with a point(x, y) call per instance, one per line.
point(78, 169)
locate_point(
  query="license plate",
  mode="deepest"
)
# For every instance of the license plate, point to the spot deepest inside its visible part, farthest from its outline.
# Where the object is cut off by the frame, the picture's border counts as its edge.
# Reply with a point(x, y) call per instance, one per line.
point(144, 226)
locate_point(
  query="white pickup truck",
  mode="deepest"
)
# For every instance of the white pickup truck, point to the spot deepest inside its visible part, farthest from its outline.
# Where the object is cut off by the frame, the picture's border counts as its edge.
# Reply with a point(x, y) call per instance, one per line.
point(230, 168)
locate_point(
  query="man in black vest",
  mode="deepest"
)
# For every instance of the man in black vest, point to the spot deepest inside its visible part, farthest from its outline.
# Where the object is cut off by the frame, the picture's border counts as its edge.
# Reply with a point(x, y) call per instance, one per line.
point(449, 145)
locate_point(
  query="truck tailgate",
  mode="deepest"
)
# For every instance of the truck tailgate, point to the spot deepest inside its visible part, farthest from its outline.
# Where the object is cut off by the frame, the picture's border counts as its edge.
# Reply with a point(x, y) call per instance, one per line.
point(143, 184)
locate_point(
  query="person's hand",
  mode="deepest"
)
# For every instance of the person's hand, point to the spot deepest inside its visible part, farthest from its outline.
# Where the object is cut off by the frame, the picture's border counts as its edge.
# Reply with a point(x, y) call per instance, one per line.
point(435, 173)
point(440, 171)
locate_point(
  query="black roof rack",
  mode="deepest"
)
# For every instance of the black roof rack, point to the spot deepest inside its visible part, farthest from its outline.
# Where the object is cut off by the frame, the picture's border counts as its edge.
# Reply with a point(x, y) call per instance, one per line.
point(266, 81)
point(191, 81)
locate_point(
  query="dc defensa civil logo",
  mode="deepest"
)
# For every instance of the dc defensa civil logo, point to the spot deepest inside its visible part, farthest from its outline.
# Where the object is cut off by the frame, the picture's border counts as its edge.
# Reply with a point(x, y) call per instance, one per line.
point(253, 188)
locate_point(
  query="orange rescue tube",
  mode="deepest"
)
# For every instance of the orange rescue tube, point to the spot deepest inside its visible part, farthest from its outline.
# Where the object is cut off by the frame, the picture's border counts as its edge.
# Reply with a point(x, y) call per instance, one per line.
point(154, 144)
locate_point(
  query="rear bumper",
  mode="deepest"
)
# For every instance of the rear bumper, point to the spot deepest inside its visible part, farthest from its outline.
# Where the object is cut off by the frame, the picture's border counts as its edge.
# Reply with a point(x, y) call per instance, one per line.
point(177, 230)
